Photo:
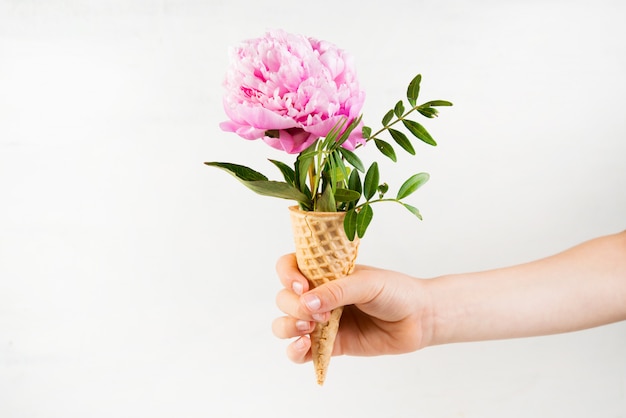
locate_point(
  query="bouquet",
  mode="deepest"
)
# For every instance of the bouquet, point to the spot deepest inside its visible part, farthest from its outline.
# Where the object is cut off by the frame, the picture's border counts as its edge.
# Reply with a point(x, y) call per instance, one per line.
point(301, 95)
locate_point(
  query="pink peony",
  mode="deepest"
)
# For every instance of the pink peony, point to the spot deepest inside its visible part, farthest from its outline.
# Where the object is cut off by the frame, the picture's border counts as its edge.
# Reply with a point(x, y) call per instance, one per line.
point(296, 87)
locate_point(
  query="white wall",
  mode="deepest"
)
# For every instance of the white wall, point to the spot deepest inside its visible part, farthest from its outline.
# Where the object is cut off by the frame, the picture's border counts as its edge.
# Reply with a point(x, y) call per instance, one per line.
point(136, 282)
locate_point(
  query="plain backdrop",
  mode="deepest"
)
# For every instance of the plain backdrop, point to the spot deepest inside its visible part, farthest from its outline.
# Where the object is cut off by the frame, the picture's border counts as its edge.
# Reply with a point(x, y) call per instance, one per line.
point(137, 282)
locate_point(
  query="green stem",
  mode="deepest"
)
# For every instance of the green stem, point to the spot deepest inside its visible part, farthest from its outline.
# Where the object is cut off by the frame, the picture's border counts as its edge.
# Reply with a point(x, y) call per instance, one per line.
point(320, 161)
point(369, 202)
point(386, 127)
point(311, 176)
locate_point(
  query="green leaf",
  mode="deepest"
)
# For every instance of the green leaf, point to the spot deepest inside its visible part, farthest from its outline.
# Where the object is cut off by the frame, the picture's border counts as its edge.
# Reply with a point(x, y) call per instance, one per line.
point(367, 132)
point(352, 159)
point(276, 189)
point(346, 195)
point(437, 103)
point(333, 134)
point(419, 131)
point(363, 219)
point(300, 184)
point(326, 202)
point(354, 182)
point(343, 170)
point(386, 149)
point(331, 170)
point(387, 117)
point(402, 140)
point(372, 177)
point(413, 91)
point(412, 184)
point(258, 183)
point(429, 112)
point(349, 224)
point(346, 134)
point(329, 179)
point(303, 163)
point(241, 172)
point(399, 109)
point(288, 173)
point(413, 210)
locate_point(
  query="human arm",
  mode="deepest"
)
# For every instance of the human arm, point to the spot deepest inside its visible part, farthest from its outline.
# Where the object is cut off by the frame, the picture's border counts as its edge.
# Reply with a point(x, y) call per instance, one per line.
point(582, 287)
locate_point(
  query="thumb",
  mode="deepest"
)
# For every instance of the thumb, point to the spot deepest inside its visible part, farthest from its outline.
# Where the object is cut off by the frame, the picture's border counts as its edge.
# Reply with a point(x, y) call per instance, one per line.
point(355, 289)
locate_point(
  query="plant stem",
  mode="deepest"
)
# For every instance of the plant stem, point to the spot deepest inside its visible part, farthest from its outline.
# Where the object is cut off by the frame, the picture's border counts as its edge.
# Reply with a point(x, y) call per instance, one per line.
point(313, 183)
point(386, 127)
point(369, 202)
point(315, 173)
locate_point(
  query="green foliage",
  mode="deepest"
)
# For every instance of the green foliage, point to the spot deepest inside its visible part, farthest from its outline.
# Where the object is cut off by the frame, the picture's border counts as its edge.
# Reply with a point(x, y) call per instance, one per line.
point(382, 189)
point(402, 140)
point(346, 195)
point(413, 210)
point(288, 173)
point(326, 201)
point(386, 148)
point(349, 224)
point(419, 131)
point(412, 184)
point(413, 91)
point(367, 132)
point(398, 109)
point(258, 183)
point(352, 159)
point(387, 118)
point(325, 176)
point(354, 184)
point(363, 219)
point(372, 177)
point(240, 172)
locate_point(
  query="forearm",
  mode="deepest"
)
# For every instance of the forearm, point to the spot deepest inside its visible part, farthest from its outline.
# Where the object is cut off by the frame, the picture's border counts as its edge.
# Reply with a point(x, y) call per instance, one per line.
point(580, 288)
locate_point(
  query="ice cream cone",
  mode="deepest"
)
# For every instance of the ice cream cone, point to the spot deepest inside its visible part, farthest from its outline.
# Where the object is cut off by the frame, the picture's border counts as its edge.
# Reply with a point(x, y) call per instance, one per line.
point(324, 253)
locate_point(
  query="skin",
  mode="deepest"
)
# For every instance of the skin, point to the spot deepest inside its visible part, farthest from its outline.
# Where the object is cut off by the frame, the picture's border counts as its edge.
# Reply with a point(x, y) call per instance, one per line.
point(387, 312)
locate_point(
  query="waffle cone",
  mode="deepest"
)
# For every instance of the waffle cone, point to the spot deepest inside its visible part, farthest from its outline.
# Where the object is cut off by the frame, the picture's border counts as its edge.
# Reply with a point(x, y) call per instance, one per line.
point(324, 253)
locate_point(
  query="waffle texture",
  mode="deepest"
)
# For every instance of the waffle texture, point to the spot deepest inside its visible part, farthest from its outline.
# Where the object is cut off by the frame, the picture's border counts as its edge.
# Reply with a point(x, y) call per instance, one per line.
point(324, 253)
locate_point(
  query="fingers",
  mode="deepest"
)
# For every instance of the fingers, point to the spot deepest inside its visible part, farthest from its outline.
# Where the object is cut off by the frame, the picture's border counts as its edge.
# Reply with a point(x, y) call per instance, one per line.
point(298, 324)
point(288, 299)
point(359, 288)
point(290, 276)
point(288, 327)
point(299, 351)
point(304, 307)
point(290, 303)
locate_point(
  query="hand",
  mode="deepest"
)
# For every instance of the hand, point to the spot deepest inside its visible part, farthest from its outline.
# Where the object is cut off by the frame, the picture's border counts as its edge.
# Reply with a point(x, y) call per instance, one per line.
point(385, 312)
point(391, 313)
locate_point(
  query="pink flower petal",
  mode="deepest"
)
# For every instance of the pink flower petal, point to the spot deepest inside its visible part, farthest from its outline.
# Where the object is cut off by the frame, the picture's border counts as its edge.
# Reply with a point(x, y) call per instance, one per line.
point(292, 84)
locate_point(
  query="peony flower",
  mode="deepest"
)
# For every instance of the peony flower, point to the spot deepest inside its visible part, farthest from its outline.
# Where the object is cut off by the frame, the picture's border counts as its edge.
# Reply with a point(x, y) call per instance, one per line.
point(291, 90)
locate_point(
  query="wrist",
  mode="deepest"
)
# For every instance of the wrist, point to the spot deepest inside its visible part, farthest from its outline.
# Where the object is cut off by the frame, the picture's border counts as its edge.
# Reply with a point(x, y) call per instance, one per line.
point(438, 320)
point(427, 312)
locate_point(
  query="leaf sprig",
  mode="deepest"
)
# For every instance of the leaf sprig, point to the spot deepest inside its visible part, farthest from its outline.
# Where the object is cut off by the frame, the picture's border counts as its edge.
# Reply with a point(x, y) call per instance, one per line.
point(399, 112)
point(325, 177)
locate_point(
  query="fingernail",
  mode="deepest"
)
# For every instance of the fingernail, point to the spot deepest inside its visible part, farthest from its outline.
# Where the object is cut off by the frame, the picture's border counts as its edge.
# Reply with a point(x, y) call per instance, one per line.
point(312, 302)
point(297, 288)
point(319, 317)
point(299, 344)
point(303, 325)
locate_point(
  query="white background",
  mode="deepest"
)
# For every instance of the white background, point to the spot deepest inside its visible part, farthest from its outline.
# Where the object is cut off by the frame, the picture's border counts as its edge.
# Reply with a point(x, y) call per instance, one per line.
point(137, 282)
